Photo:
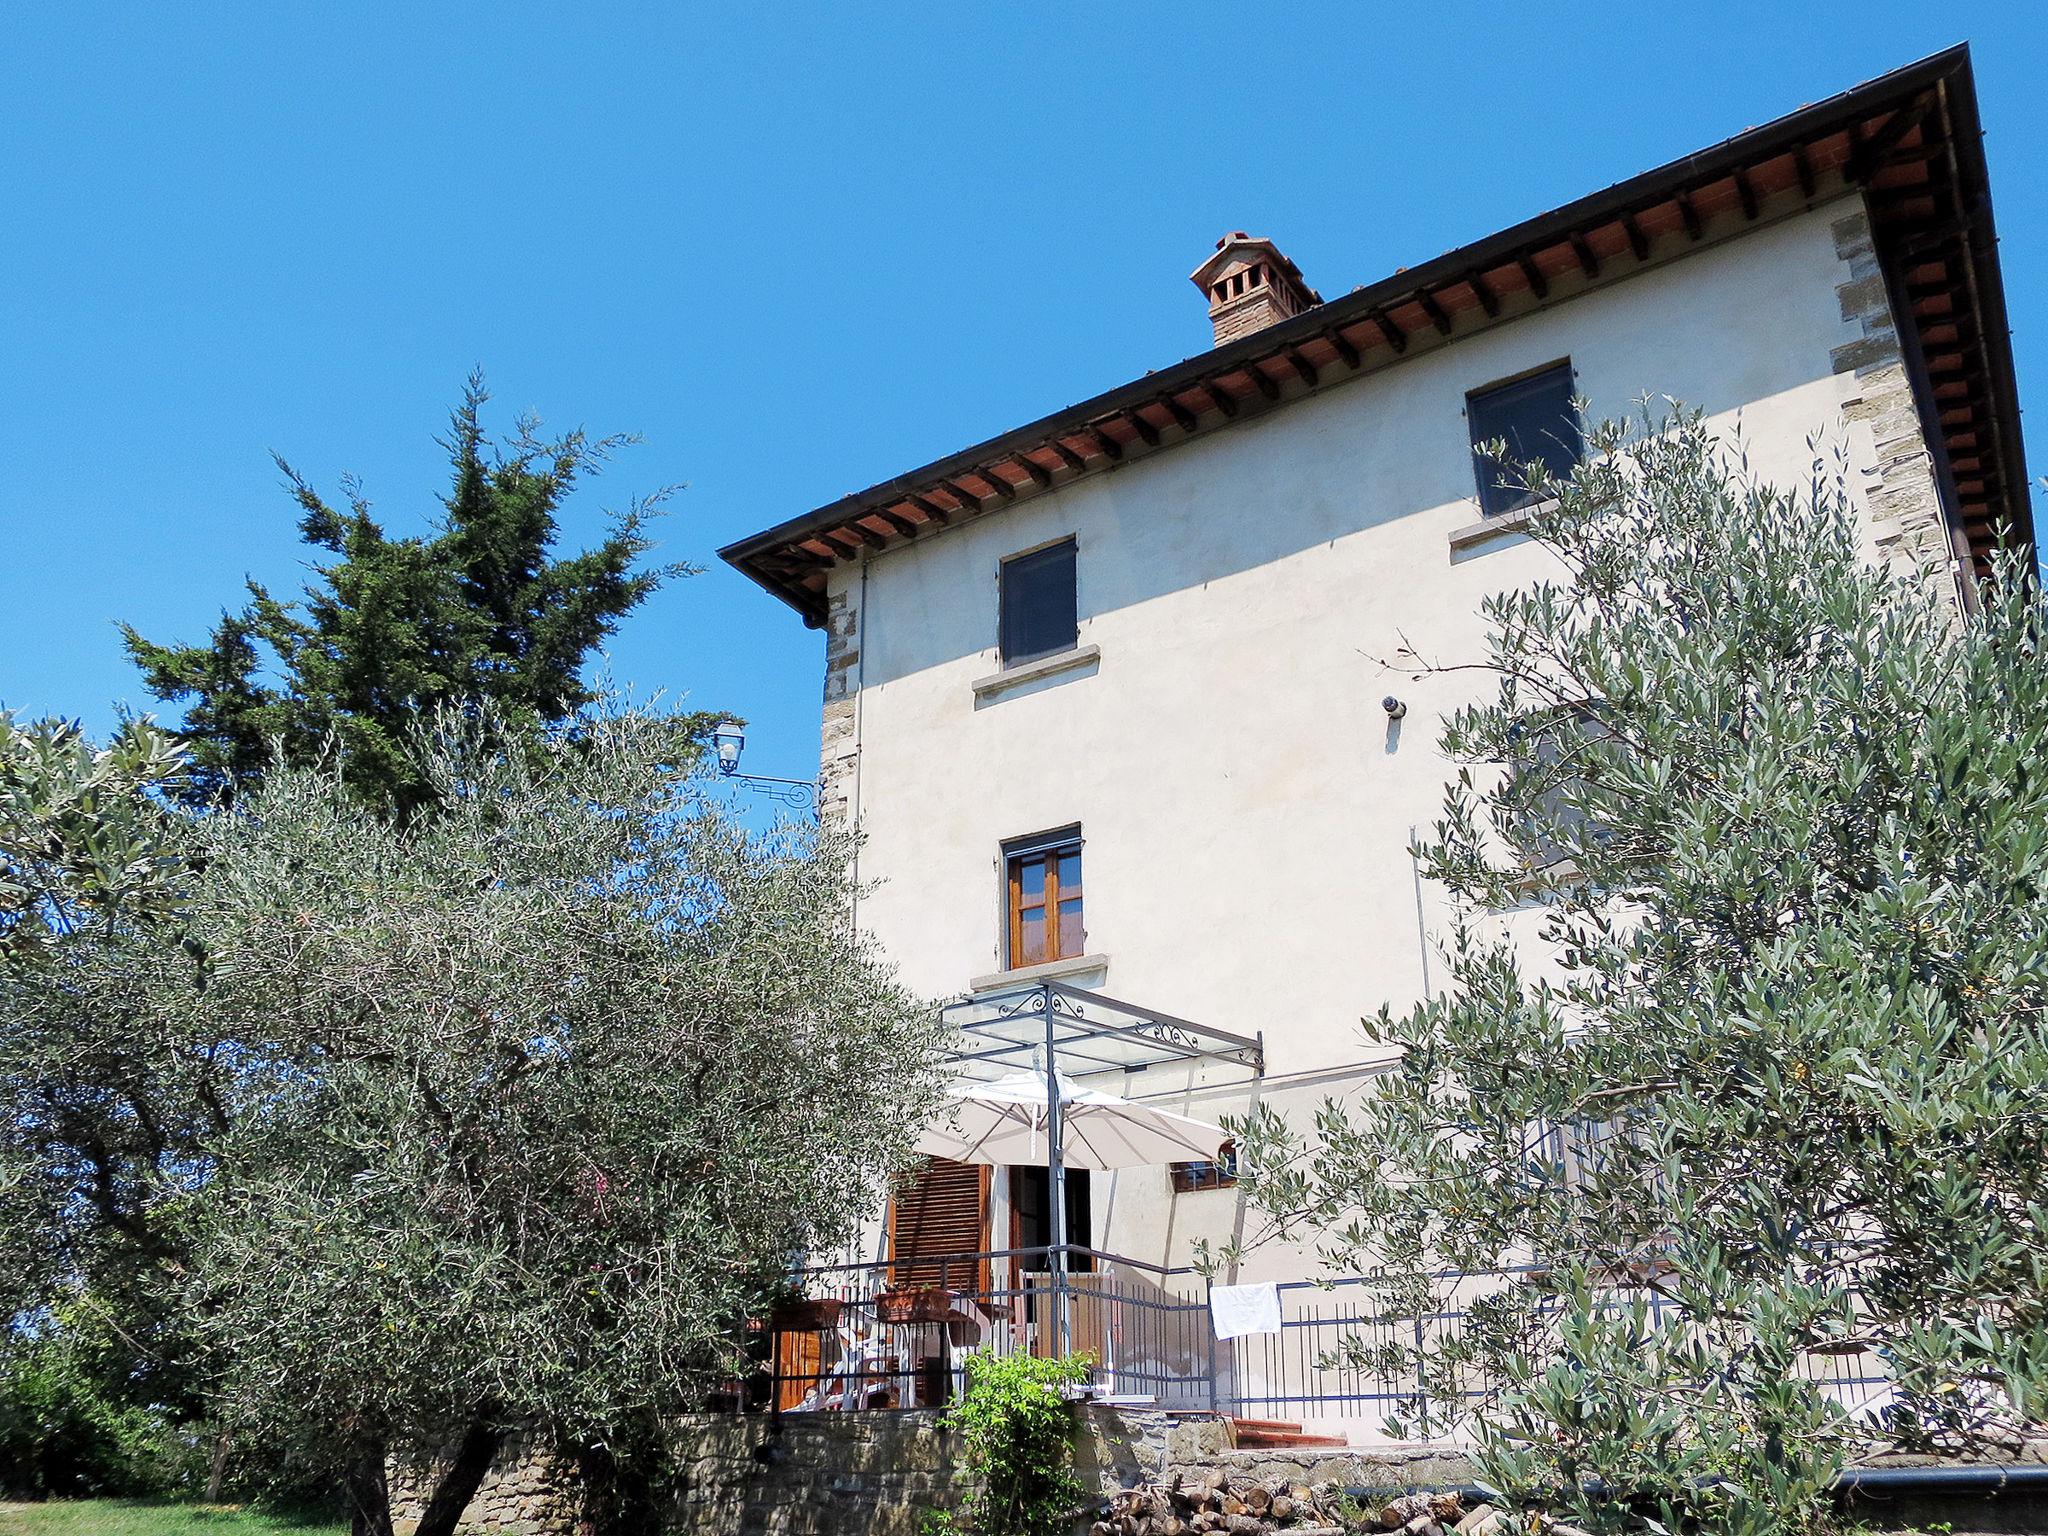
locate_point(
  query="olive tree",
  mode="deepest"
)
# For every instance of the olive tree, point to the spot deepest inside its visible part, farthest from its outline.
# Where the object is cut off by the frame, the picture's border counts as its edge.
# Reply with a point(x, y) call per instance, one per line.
point(1777, 1093)
point(82, 832)
point(534, 1098)
point(101, 1122)
point(95, 1124)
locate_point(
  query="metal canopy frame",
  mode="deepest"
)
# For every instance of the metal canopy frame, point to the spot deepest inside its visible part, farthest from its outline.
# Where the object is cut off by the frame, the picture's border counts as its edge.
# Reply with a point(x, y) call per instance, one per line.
point(1044, 1026)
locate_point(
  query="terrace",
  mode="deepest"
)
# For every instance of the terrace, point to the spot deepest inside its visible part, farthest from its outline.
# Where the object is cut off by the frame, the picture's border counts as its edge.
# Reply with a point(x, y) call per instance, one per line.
point(891, 1334)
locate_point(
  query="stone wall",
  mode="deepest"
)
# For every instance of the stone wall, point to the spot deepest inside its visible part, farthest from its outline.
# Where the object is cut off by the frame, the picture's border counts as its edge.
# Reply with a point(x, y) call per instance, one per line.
point(839, 739)
point(529, 1491)
point(1907, 524)
point(876, 1474)
point(813, 1475)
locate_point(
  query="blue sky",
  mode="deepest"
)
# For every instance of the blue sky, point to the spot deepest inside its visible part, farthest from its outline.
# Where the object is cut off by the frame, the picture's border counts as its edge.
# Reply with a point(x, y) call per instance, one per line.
point(796, 248)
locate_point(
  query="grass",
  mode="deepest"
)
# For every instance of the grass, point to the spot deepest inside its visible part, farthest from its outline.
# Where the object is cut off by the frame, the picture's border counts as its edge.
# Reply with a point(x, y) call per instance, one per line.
point(153, 1517)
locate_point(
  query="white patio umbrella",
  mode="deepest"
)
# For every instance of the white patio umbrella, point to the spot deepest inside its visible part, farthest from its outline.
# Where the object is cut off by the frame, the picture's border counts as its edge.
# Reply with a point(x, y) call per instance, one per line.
point(1005, 1122)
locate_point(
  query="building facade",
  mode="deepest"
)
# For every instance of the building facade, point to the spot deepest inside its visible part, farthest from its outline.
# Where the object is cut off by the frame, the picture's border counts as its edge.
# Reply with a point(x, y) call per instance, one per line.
point(1109, 697)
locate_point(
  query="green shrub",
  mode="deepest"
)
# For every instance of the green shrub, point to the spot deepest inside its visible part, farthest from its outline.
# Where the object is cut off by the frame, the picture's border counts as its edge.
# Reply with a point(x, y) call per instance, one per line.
point(64, 1433)
point(1017, 1431)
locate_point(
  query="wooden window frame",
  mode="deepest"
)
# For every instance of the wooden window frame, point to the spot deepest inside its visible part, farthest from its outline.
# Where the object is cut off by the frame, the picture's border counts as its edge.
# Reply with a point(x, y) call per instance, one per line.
point(1188, 1178)
point(1047, 848)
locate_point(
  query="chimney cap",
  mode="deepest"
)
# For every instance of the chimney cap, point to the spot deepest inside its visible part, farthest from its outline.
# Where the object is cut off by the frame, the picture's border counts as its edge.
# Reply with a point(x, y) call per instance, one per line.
point(1250, 285)
point(1228, 248)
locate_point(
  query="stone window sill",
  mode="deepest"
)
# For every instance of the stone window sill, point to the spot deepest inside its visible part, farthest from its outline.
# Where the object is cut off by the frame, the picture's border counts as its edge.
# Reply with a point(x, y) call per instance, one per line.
point(1050, 970)
point(1473, 536)
point(1031, 671)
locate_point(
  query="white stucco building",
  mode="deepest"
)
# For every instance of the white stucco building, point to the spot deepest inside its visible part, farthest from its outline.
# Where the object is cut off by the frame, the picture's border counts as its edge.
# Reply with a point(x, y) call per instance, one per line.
point(1104, 694)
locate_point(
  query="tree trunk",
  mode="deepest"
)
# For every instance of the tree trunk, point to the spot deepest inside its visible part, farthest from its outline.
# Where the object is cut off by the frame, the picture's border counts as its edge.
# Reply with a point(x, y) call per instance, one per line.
point(616, 1497)
point(217, 1467)
point(458, 1485)
point(369, 1495)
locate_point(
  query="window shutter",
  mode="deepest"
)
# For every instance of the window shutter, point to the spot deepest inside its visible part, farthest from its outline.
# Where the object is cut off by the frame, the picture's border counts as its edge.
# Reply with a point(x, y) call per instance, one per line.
point(1535, 417)
point(1038, 610)
point(938, 1214)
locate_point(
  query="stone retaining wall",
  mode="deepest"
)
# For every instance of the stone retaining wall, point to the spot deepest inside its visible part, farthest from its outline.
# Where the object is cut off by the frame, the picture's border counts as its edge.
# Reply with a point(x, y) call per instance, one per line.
point(876, 1474)
point(529, 1491)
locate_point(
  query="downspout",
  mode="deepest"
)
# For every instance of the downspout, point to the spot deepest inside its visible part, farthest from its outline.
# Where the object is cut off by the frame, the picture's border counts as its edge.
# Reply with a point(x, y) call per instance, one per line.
point(860, 715)
point(1421, 923)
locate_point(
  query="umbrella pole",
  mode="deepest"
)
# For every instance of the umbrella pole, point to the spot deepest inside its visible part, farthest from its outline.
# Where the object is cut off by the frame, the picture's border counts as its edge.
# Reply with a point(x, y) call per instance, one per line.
point(1056, 1181)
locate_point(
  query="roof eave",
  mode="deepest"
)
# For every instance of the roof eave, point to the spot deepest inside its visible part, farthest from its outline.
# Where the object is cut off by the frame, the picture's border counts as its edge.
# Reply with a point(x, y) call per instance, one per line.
point(1947, 71)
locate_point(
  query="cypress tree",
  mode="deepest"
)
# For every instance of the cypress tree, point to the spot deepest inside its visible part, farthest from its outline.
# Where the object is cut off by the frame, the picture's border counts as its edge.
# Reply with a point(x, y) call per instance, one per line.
point(479, 612)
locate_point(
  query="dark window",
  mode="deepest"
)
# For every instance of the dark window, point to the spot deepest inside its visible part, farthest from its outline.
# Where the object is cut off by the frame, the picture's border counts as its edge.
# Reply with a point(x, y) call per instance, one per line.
point(1221, 1174)
point(1039, 614)
point(1042, 877)
point(1535, 418)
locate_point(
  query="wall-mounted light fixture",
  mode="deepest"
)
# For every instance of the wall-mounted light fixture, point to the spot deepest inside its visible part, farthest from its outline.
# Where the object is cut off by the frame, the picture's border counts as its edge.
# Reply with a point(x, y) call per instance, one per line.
point(729, 739)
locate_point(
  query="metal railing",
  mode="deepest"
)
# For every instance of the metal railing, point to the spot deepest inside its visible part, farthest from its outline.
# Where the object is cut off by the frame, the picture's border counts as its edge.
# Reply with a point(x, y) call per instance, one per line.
point(879, 1335)
point(1335, 1351)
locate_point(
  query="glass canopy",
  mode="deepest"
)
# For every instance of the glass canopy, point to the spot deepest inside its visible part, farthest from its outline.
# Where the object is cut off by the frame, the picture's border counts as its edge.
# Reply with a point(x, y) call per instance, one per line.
point(1089, 1038)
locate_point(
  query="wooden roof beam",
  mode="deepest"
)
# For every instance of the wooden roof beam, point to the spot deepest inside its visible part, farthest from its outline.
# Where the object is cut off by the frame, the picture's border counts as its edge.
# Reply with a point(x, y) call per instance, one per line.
point(1040, 475)
point(1182, 416)
point(1689, 214)
point(902, 525)
point(1396, 337)
point(1533, 276)
point(969, 502)
point(1145, 430)
point(1925, 240)
point(1347, 352)
point(1004, 491)
point(868, 536)
point(1302, 366)
point(932, 510)
point(1637, 240)
point(1066, 455)
point(1901, 200)
point(1483, 292)
point(1434, 310)
point(1803, 164)
point(1746, 192)
point(1865, 158)
point(1226, 402)
point(1111, 448)
point(1588, 262)
point(1262, 381)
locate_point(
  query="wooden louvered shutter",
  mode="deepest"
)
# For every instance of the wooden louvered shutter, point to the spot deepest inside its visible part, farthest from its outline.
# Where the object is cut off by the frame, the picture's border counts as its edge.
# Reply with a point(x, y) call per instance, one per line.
point(941, 1211)
point(799, 1367)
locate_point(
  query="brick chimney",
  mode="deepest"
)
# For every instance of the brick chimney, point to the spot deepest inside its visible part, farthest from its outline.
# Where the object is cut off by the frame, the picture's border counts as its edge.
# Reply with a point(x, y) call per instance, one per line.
point(1250, 286)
